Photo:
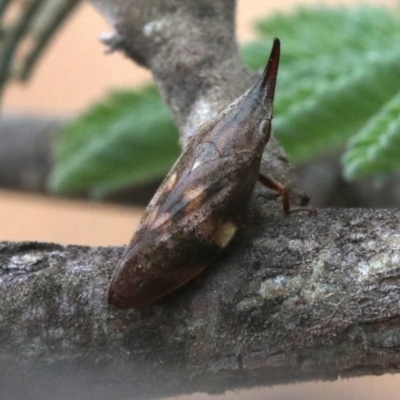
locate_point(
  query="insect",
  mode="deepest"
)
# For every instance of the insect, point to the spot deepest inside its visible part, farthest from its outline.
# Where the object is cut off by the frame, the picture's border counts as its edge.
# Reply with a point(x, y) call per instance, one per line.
point(201, 203)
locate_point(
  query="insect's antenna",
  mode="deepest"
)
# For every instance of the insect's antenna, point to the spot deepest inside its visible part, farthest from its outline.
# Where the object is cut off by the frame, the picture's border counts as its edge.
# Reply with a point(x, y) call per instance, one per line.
point(267, 82)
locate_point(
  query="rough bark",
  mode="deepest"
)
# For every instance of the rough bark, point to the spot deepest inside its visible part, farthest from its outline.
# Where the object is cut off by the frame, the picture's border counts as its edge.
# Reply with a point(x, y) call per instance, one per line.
point(291, 299)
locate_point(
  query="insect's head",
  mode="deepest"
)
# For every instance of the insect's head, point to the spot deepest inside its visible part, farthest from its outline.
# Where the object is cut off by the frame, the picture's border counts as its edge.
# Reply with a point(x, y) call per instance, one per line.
point(254, 108)
point(246, 122)
point(266, 84)
point(263, 92)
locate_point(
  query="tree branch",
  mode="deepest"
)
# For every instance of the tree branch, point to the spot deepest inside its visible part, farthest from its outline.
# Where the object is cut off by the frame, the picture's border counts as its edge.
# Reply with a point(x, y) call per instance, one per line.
point(25, 151)
point(291, 299)
point(23, 40)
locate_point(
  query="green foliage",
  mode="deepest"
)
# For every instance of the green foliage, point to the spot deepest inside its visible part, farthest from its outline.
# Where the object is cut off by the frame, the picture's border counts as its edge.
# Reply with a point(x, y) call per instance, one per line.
point(339, 78)
point(129, 138)
point(376, 148)
point(339, 68)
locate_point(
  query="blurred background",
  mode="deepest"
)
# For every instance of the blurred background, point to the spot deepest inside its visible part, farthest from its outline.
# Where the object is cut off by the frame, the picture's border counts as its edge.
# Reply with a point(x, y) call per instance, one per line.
point(75, 72)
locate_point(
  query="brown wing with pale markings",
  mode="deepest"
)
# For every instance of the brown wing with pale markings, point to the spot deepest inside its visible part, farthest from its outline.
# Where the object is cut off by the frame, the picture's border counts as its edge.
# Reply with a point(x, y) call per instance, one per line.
point(184, 234)
point(199, 206)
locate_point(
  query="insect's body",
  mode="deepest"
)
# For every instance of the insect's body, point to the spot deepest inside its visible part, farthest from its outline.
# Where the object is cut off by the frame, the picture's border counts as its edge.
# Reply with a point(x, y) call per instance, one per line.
point(200, 205)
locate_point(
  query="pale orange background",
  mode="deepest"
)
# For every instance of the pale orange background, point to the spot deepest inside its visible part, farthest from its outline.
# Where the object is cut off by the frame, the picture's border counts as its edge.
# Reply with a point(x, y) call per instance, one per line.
point(74, 73)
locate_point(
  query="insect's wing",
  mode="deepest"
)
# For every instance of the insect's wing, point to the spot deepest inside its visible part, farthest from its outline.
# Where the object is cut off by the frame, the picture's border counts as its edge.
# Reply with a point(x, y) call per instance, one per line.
point(197, 209)
point(182, 234)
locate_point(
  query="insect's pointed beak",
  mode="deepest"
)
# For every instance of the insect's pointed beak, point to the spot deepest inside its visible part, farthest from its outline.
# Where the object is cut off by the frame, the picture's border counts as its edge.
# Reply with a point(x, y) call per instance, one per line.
point(266, 84)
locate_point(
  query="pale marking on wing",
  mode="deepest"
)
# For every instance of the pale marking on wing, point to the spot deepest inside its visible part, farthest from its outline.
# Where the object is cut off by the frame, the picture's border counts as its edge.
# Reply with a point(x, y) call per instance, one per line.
point(196, 164)
point(224, 234)
point(152, 216)
point(169, 185)
point(195, 198)
point(163, 219)
point(191, 194)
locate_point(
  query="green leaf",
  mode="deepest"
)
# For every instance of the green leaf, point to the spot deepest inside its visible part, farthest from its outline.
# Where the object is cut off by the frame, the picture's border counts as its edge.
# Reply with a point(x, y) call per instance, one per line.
point(338, 68)
point(309, 33)
point(376, 147)
point(127, 139)
point(319, 116)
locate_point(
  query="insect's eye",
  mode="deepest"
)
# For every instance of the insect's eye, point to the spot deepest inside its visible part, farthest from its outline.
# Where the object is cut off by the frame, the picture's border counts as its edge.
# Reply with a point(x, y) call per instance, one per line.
point(265, 129)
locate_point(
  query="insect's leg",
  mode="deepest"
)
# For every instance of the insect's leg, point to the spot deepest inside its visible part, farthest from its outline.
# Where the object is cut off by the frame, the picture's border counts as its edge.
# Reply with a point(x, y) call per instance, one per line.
point(276, 187)
point(282, 190)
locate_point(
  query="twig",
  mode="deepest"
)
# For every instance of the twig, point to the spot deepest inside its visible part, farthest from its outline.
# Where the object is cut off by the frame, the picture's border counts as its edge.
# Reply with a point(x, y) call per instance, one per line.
point(44, 33)
point(3, 7)
point(15, 34)
point(37, 20)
